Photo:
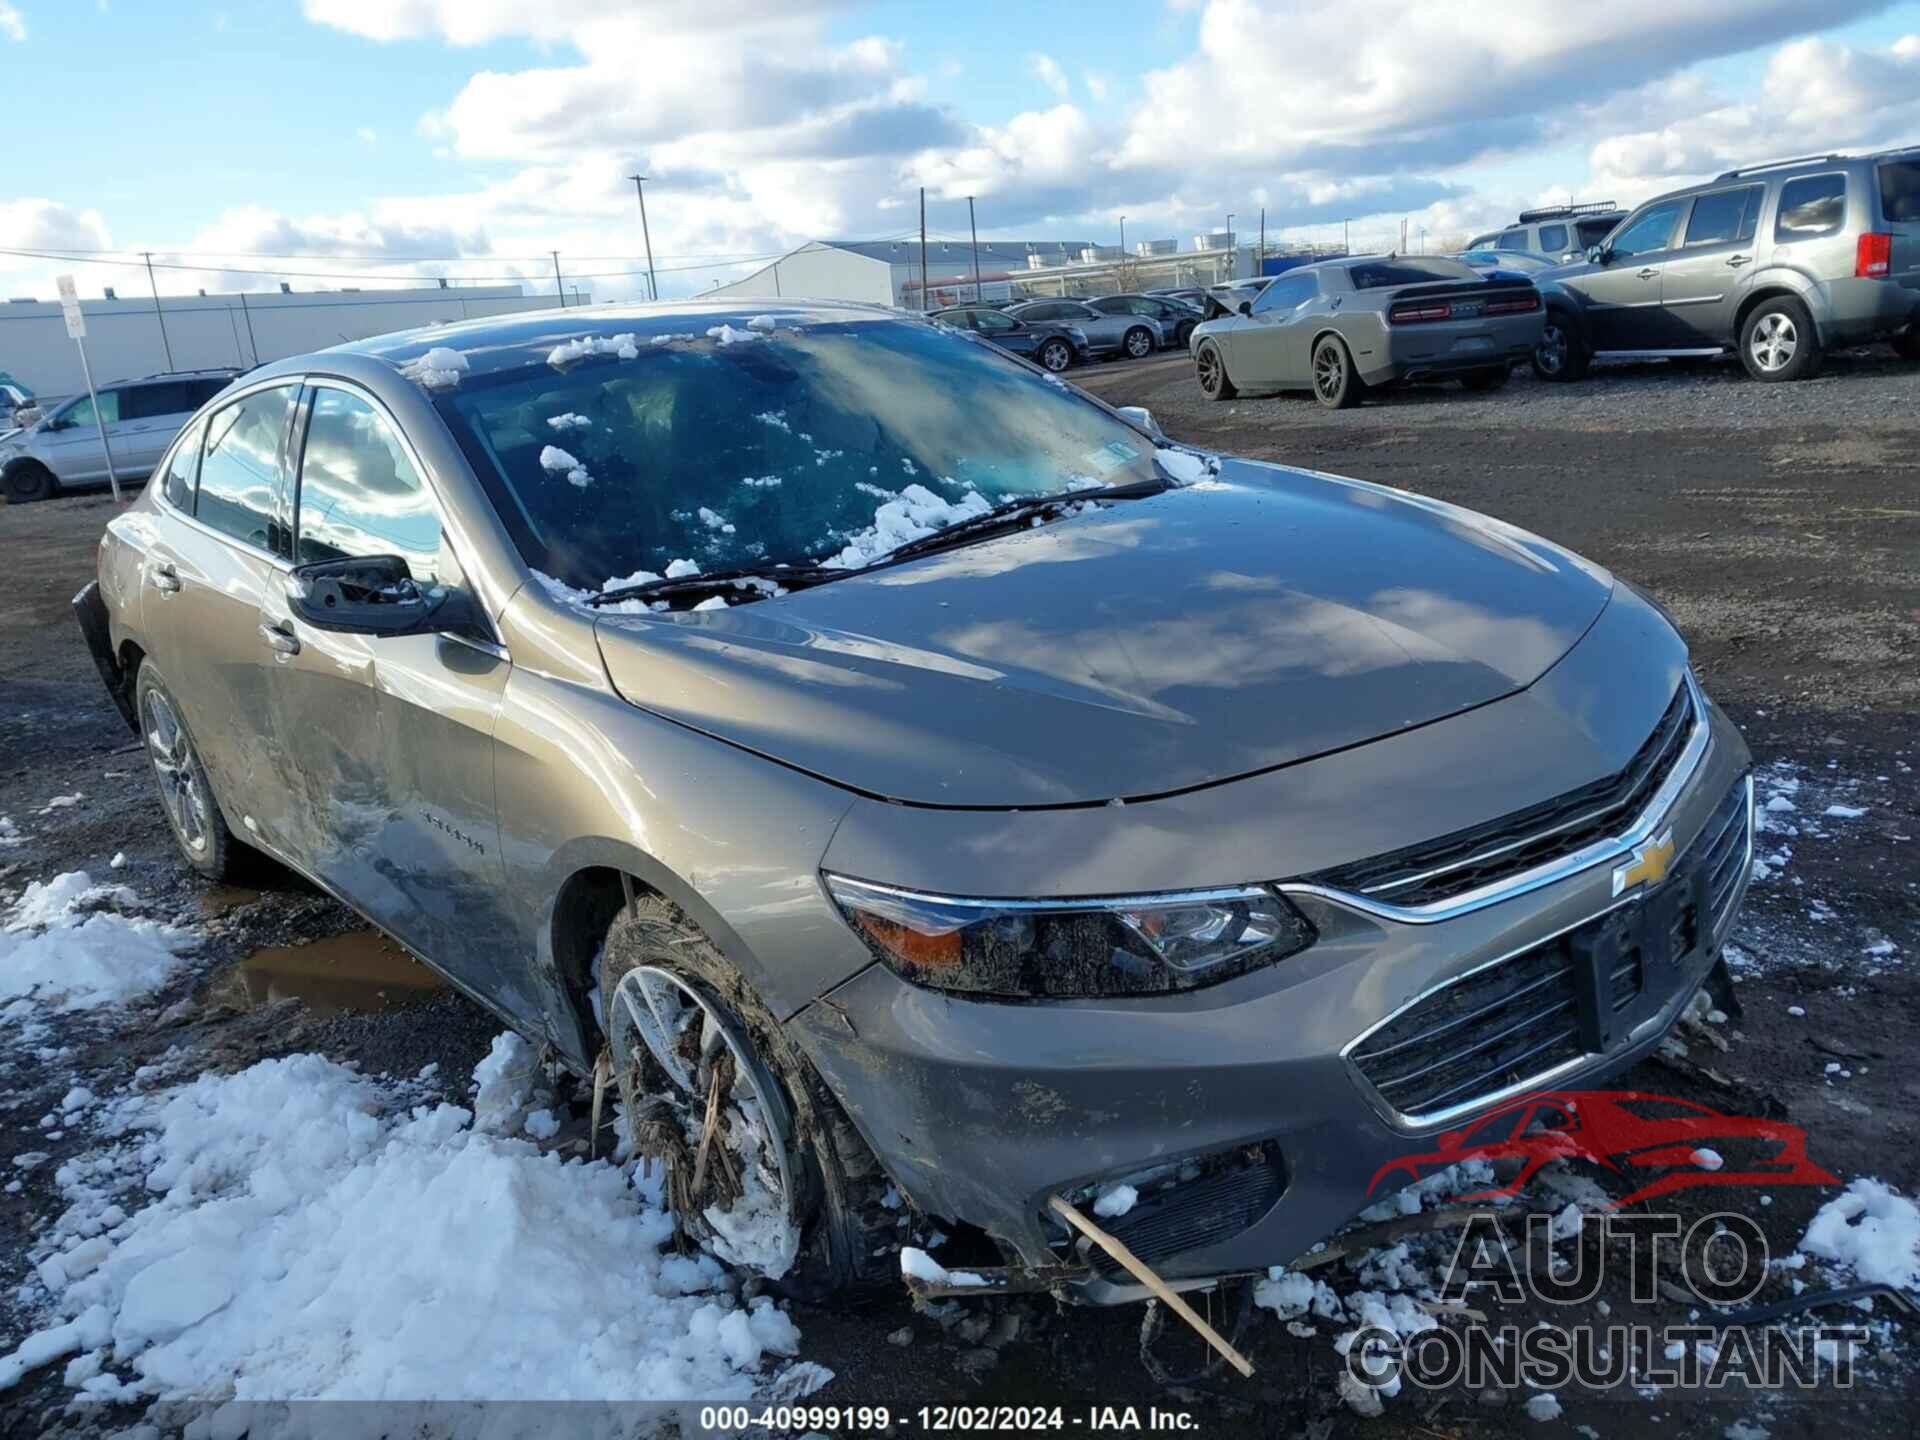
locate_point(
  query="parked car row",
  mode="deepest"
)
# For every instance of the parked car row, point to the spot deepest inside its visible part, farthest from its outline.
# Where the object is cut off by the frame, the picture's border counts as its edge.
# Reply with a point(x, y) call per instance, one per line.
point(61, 449)
point(1058, 334)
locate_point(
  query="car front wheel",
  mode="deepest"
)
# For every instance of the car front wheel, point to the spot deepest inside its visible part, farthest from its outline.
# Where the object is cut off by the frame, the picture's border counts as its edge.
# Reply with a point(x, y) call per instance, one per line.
point(28, 480)
point(1056, 355)
point(1562, 353)
point(1778, 342)
point(762, 1167)
point(1336, 384)
point(1139, 342)
point(1210, 368)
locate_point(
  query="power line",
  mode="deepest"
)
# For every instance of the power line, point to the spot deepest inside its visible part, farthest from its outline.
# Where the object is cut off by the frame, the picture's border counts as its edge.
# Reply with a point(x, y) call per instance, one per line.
point(512, 277)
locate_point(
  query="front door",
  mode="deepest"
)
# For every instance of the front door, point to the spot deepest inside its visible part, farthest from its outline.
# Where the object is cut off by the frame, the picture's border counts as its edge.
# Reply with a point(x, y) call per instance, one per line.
point(204, 579)
point(1005, 331)
point(73, 449)
point(1704, 274)
point(1273, 347)
point(390, 739)
point(1624, 296)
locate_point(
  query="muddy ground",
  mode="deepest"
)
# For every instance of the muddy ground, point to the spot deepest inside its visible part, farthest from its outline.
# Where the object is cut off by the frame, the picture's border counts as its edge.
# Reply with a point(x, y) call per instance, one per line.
point(1781, 525)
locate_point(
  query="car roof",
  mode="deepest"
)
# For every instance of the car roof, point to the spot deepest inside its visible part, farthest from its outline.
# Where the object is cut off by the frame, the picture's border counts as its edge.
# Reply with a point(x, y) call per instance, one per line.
point(497, 343)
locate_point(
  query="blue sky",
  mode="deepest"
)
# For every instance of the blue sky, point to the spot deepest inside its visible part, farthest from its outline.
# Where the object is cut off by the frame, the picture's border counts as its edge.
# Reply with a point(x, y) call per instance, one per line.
point(496, 130)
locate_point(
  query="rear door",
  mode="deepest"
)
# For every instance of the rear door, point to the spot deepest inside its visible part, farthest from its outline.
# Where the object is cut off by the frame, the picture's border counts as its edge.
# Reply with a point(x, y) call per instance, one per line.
point(1706, 271)
point(388, 740)
point(1625, 309)
point(210, 564)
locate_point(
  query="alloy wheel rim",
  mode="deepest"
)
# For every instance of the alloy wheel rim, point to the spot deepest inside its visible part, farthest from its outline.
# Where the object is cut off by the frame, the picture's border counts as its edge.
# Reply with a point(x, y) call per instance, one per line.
point(657, 1014)
point(1209, 365)
point(1775, 342)
point(1326, 371)
point(183, 793)
point(1054, 357)
point(1553, 349)
point(1139, 343)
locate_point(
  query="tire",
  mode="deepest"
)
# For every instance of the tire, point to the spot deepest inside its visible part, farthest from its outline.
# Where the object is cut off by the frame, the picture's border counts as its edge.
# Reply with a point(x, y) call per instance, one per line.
point(1210, 368)
point(26, 481)
point(1563, 355)
point(186, 795)
point(1056, 355)
point(1907, 343)
point(1491, 378)
point(1777, 341)
point(1336, 384)
point(809, 1164)
point(1137, 342)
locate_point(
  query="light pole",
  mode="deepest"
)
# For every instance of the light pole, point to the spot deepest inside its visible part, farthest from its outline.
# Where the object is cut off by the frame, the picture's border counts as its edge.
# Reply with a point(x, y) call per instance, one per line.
point(1123, 236)
point(1230, 265)
point(653, 287)
point(164, 343)
point(558, 288)
point(1346, 234)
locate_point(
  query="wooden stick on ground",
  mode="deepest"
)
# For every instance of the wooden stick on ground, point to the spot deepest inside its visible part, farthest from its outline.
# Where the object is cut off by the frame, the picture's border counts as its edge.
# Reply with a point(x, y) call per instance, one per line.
point(602, 1071)
point(1137, 1268)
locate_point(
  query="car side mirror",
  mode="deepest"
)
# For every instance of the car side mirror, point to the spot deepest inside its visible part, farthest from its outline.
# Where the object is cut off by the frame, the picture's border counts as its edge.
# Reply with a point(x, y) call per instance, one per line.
point(1141, 416)
point(1245, 307)
point(1599, 255)
point(370, 595)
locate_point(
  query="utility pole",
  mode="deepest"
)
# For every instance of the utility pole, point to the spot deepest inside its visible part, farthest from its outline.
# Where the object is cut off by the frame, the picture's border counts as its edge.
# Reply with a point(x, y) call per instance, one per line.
point(1346, 234)
point(974, 231)
point(1260, 265)
point(653, 286)
point(1123, 236)
point(559, 288)
point(1231, 267)
point(164, 345)
point(925, 298)
point(252, 344)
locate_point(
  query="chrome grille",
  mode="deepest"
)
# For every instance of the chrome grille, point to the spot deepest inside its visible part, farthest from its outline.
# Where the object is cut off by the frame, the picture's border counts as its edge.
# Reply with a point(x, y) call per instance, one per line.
point(1454, 864)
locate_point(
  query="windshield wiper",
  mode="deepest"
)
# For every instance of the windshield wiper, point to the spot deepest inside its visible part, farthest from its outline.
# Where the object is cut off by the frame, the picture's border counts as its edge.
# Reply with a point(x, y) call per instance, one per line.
point(1010, 513)
point(787, 577)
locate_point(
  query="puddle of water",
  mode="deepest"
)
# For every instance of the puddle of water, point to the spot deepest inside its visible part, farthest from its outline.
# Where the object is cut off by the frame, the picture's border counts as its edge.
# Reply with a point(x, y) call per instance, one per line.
point(359, 971)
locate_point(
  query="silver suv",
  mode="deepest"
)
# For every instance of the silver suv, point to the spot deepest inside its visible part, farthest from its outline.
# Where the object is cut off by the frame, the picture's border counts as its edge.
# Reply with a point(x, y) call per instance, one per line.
point(1559, 232)
point(1780, 262)
point(61, 450)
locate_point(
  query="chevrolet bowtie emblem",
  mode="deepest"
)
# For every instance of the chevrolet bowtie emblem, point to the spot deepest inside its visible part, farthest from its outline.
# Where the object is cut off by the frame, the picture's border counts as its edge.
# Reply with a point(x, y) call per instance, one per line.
point(1648, 866)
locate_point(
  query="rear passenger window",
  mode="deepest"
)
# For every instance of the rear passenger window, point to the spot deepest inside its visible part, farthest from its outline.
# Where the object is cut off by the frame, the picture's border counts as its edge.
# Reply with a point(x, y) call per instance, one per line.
point(1553, 239)
point(1514, 240)
point(241, 465)
point(1725, 216)
point(1811, 206)
point(182, 468)
point(359, 493)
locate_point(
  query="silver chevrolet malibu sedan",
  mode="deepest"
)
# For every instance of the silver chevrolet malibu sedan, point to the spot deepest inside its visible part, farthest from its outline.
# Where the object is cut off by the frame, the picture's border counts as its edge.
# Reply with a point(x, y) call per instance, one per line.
point(921, 782)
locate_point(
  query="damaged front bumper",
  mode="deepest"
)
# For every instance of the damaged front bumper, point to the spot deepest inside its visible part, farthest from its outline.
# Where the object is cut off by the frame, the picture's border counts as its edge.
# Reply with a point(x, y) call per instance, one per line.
point(1248, 1106)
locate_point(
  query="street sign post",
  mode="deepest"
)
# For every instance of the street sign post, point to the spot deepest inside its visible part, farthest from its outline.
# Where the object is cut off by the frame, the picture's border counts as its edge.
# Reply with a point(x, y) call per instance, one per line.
point(77, 328)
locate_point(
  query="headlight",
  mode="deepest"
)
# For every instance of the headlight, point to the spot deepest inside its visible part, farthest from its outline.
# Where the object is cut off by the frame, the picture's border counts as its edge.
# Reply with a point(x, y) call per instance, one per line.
point(1061, 949)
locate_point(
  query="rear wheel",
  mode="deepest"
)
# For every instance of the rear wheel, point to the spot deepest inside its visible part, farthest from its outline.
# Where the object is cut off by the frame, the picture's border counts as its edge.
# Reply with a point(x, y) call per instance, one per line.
point(763, 1168)
point(1778, 341)
point(1138, 342)
point(28, 480)
point(1907, 343)
point(1562, 354)
point(1336, 384)
point(1210, 368)
point(1491, 378)
point(1056, 355)
point(185, 792)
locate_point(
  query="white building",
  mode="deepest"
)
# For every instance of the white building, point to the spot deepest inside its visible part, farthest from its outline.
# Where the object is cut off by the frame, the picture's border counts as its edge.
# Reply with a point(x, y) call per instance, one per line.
point(887, 272)
point(205, 331)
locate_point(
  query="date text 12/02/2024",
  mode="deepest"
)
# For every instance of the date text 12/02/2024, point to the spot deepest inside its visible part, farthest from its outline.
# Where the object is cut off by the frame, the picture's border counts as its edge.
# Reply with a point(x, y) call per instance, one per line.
point(939, 1419)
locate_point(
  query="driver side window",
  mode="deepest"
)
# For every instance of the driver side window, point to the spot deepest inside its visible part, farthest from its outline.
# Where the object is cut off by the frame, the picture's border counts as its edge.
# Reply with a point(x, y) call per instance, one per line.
point(991, 322)
point(1652, 230)
point(359, 492)
point(1285, 295)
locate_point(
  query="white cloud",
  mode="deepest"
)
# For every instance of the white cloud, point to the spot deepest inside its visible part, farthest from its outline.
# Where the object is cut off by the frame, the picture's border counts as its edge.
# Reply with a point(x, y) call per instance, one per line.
point(1047, 70)
point(13, 24)
point(366, 135)
point(1096, 85)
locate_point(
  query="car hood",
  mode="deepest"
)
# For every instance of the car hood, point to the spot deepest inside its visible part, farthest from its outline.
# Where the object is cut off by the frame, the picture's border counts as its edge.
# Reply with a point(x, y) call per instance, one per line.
point(1259, 618)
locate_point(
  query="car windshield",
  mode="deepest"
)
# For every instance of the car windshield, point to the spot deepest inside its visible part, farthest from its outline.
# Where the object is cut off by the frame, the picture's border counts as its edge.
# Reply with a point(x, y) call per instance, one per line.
point(825, 443)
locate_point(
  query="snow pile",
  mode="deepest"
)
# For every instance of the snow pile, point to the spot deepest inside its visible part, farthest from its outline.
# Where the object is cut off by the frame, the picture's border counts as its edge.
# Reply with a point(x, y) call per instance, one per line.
point(622, 346)
point(752, 482)
point(777, 419)
point(569, 421)
point(1116, 1201)
point(1871, 1229)
point(919, 1265)
point(293, 1231)
point(70, 944)
point(504, 1084)
point(1187, 467)
point(762, 322)
point(713, 520)
point(915, 512)
point(439, 369)
point(10, 834)
point(728, 335)
point(556, 461)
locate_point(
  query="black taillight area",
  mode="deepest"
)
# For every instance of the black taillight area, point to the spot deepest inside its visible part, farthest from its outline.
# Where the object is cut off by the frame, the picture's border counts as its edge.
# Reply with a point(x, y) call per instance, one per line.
point(1514, 304)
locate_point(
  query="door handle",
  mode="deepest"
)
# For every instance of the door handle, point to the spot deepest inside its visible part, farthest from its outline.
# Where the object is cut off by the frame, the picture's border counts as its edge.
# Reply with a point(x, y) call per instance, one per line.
point(282, 640)
point(1648, 273)
point(1734, 262)
point(165, 578)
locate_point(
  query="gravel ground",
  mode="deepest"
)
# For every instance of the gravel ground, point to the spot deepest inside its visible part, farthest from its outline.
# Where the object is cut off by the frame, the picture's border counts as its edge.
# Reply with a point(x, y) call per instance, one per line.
point(1781, 524)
